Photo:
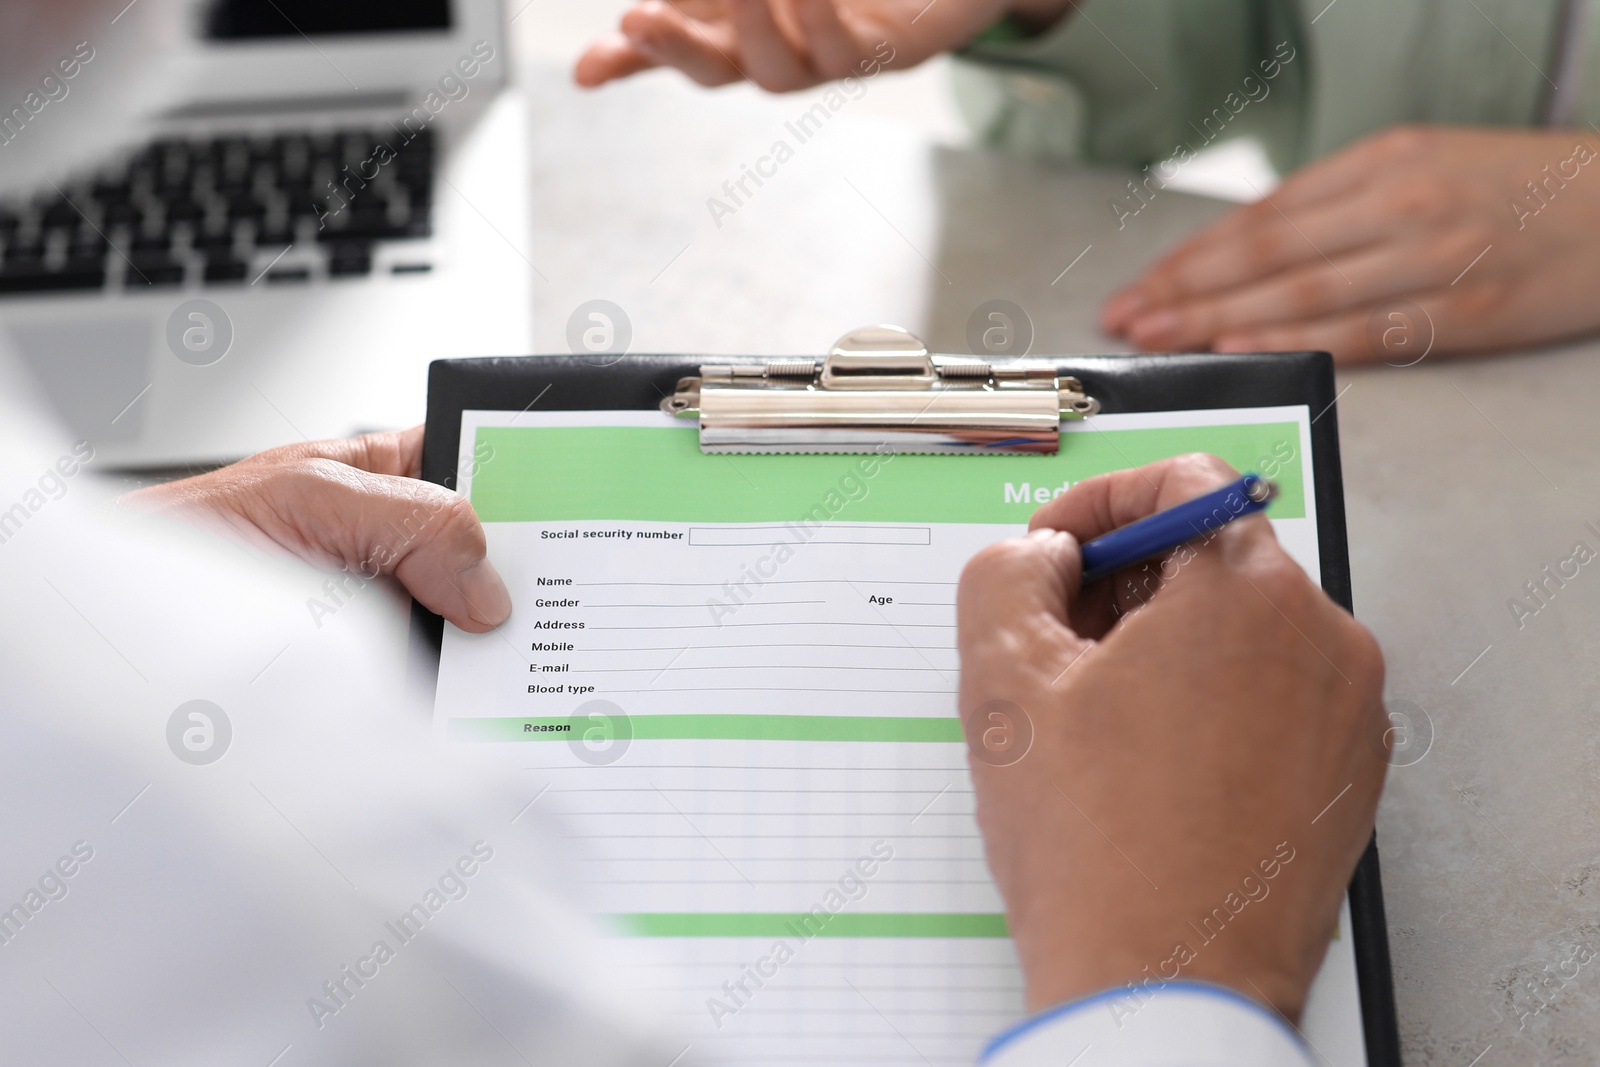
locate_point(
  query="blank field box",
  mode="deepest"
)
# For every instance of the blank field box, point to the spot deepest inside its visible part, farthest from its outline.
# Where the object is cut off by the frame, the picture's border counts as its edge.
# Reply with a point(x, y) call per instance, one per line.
point(825, 534)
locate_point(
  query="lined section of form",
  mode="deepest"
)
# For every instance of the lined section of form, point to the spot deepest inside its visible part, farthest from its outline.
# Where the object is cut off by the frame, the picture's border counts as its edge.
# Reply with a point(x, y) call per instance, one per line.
point(835, 1001)
point(845, 636)
point(828, 908)
point(738, 840)
point(790, 820)
point(662, 626)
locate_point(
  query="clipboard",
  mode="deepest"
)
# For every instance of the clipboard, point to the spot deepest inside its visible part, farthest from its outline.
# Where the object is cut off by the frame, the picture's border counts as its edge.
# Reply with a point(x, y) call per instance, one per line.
point(1079, 385)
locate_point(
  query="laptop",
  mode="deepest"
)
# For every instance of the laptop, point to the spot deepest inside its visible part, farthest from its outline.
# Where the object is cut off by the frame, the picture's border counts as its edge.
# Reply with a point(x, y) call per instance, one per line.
point(339, 198)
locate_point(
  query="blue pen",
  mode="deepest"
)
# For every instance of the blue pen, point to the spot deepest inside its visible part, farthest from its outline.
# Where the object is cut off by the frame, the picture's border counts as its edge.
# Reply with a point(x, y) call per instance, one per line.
point(1166, 530)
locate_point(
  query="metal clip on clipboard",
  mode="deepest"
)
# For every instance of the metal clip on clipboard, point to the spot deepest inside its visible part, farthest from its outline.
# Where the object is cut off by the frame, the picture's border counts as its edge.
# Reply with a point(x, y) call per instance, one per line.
point(879, 386)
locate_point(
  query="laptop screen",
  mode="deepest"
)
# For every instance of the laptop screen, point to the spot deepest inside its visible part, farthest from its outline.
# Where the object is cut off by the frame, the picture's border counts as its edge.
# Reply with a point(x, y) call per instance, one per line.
point(241, 19)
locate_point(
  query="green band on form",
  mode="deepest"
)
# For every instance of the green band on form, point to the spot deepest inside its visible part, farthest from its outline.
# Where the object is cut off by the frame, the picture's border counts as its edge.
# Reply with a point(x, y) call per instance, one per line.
point(589, 473)
point(720, 728)
point(809, 924)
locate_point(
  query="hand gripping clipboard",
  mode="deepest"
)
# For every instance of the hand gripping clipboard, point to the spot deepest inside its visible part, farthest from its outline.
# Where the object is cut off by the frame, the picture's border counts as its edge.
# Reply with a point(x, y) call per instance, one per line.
point(881, 381)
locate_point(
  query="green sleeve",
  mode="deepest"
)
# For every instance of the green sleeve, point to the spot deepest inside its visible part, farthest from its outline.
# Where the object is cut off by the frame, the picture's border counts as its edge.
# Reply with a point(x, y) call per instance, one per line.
point(1379, 63)
point(1133, 82)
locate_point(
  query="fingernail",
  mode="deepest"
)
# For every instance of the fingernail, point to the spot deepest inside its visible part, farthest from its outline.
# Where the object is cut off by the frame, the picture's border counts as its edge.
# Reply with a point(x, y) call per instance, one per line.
point(1157, 326)
point(1128, 304)
point(488, 600)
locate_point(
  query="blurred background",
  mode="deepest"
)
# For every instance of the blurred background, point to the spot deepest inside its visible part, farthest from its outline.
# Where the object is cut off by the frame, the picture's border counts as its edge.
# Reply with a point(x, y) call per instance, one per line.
point(326, 205)
point(552, 34)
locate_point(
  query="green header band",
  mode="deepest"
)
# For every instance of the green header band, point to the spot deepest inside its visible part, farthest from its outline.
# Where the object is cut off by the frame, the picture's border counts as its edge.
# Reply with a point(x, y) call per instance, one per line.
point(804, 925)
point(711, 728)
point(658, 474)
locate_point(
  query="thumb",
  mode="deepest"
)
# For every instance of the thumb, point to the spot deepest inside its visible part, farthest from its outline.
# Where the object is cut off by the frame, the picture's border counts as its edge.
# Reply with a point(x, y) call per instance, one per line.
point(1042, 571)
point(326, 511)
point(1014, 600)
point(425, 535)
point(443, 562)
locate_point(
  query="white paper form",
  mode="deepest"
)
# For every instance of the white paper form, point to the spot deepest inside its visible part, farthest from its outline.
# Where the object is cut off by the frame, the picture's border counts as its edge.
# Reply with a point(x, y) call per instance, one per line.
point(737, 676)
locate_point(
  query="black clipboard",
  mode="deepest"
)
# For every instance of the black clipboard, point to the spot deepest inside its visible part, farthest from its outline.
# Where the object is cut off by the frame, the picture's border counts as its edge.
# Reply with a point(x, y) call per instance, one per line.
point(1120, 383)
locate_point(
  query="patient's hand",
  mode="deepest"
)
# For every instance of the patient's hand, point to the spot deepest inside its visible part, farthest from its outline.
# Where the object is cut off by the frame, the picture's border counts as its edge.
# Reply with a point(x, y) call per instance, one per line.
point(356, 503)
point(1344, 253)
point(784, 45)
point(1175, 785)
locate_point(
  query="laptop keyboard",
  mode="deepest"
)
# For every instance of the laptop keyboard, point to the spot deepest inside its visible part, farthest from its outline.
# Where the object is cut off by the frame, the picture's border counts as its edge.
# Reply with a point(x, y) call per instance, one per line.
point(224, 211)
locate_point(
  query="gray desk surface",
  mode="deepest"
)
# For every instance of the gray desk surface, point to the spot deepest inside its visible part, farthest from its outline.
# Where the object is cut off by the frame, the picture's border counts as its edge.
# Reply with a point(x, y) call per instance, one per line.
point(1464, 479)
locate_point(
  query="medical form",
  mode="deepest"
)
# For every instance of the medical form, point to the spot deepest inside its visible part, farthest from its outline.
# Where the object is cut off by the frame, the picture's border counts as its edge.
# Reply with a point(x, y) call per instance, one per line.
point(734, 677)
